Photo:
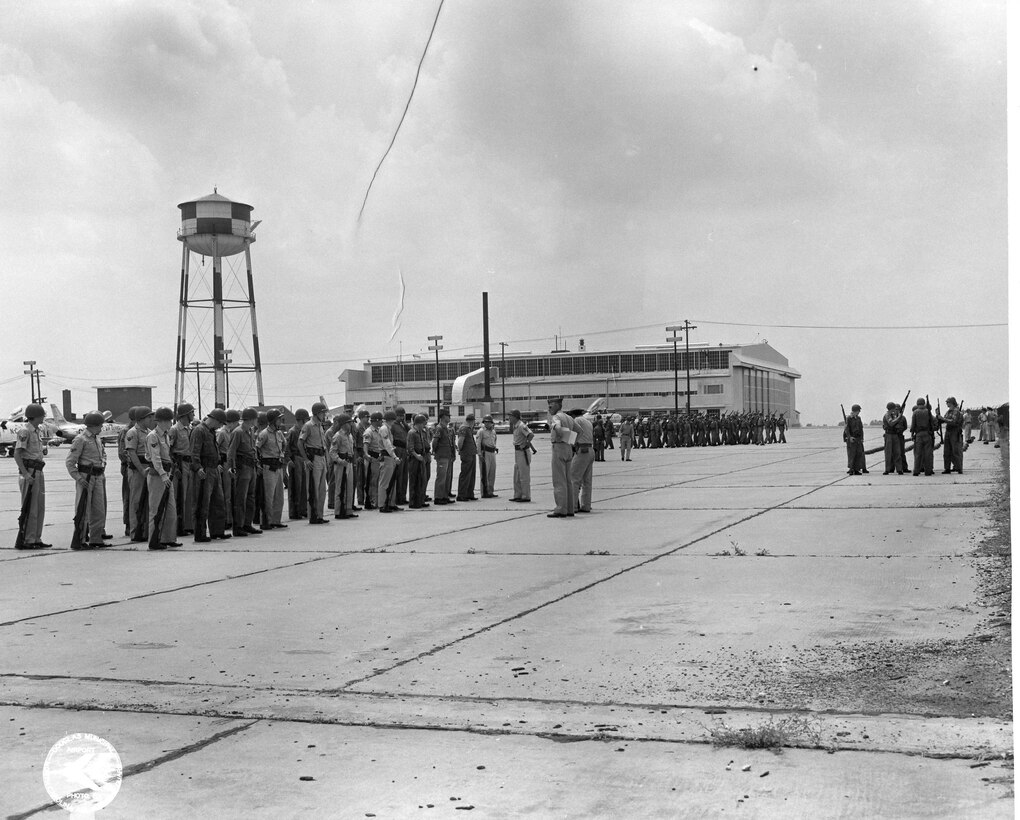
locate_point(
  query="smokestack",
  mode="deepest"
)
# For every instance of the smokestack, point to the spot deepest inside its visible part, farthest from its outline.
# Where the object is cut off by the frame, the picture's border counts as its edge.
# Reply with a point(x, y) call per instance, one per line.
point(485, 344)
point(66, 400)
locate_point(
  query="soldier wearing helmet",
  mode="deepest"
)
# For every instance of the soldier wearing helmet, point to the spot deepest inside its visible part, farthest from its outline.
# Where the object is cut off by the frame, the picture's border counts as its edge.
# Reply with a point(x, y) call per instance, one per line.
point(86, 463)
point(373, 450)
point(468, 449)
point(205, 464)
point(952, 441)
point(28, 455)
point(893, 427)
point(180, 453)
point(486, 441)
point(138, 463)
point(226, 477)
point(312, 444)
point(271, 446)
point(242, 465)
point(125, 484)
point(360, 462)
point(297, 466)
point(159, 482)
point(398, 427)
point(419, 455)
point(341, 451)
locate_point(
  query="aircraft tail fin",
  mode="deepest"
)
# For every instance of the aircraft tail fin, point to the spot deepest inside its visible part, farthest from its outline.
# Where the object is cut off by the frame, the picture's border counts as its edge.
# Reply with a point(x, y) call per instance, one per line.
point(594, 406)
point(56, 415)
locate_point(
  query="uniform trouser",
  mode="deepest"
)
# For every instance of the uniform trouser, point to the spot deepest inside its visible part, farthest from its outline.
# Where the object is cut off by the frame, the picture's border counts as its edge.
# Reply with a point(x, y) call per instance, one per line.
point(209, 504)
point(893, 453)
point(580, 477)
point(924, 454)
point(125, 497)
point(386, 489)
point(401, 475)
point(563, 491)
point(272, 486)
point(36, 507)
point(138, 518)
point(855, 459)
point(244, 497)
point(993, 430)
point(522, 473)
point(952, 450)
point(330, 487)
point(372, 468)
point(95, 512)
point(600, 451)
point(444, 478)
point(297, 494)
point(417, 481)
point(316, 487)
point(625, 447)
point(466, 480)
point(261, 513)
point(168, 526)
point(609, 442)
point(227, 479)
point(782, 436)
point(487, 467)
point(343, 481)
point(184, 496)
point(359, 480)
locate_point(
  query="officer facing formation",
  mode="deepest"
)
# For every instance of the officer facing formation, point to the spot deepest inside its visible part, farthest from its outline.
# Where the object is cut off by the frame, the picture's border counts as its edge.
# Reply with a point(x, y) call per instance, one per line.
point(853, 435)
point(486, 442)
point(86, 464)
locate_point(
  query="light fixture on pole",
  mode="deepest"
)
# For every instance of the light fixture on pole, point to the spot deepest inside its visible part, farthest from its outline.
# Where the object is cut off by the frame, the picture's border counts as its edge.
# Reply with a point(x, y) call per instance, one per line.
point(676, 375)
point(436, 347)
point(502, 374)
point(688, 327)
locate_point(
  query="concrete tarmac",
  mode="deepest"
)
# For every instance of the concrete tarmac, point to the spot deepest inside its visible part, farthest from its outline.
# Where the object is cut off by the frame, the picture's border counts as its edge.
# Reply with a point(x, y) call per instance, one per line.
point(483, 658)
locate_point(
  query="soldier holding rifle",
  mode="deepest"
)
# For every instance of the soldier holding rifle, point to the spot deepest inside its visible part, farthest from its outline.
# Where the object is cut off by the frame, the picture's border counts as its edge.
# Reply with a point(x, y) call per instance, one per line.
point(952, 441)
point(853, 435)
point(922, 426)
point(86, 463)
point(28, 455)
point(160, 478)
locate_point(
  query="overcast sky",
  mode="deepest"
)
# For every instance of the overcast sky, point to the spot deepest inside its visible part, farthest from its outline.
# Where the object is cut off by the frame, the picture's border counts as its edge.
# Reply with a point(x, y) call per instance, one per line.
point(595, 166)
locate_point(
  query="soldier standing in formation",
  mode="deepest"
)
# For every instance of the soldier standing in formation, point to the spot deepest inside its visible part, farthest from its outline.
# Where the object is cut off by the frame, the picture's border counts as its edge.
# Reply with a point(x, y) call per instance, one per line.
point(358, 437)
point(893, 425)
point(626, 438)
point(29, 454)
point(853, 435)
point(86, 463)
point(922, 426)
point(443, 450)
point(159, 481)
point(312, 445)
point(205, 464)
point(952, 441)
point(271, 449)
point(522, 437)
point(297, 470)
point(180, 453)
point(342, 453)
point(486, 441)
point(226, 474)
point(419, 456)
point(388, 464)
point(560, 428)
point(581, 464)
point(241, 465)
point(138, 462)
point(468, 451)
point(398, 433)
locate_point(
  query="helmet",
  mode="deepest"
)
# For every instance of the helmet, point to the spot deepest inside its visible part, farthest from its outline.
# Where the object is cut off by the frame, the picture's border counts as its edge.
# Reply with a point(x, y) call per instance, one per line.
point(891, 406)
point(35, 411)
point(376, 416)
point(951, 400)
point(164, 414)
point(249, 413)
point(920, 402)
point(217, 415)
point(856, 407)
point(94, 420)
point(272, 416)
point(319, 407)
point(262, 417)
point(301, 414)
point(342, 419)
point(142, 412)
point(363, 413)
point(399, 410)
point(183, 409)
point(486, 418)
point(232, 416)
point(131, 413)
point(420, 419)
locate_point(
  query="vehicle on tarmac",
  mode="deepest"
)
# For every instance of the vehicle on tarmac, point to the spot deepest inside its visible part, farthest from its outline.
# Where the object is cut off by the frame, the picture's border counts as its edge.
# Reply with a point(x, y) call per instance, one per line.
point(539, 426)
point(67, 430)
point(10, 426)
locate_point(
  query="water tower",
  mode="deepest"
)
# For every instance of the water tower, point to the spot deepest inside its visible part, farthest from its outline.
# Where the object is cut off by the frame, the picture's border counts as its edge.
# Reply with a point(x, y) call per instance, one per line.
point(220, 229)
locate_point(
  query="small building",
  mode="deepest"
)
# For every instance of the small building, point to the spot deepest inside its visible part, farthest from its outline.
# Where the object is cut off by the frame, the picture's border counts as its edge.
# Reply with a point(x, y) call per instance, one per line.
point(118, 400)
point(723, 378)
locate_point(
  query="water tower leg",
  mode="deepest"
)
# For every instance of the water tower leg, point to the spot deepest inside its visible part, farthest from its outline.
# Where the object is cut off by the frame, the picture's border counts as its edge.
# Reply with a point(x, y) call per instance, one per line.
point(220, 382)
point(182, 328)
point(254, 327)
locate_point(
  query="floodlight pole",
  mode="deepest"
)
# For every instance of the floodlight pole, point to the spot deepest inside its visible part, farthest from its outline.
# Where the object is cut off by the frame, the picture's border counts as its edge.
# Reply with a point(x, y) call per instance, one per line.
point(502, 373)
point(676, 376)
point(688, 327)
point(436, 347)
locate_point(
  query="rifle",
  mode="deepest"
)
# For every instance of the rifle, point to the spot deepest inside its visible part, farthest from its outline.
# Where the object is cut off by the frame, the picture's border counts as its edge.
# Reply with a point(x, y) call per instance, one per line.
point(81, 524)
point(938, 417)
point(26, 503)
point(157, 522)
point(903, 407)
point(843, 411)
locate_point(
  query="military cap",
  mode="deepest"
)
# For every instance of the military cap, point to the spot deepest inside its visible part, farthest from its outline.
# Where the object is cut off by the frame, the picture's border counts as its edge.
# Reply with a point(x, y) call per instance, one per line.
point(486, 418)
point(376, 416)
point(164, 414)
point(515, 413)
point(94, 420)
point(249, 413)
point(301, 414)
point(420, 419)
point(233, 415)
point(183, 409)
point(390, 415)
point(216, 414)
point(272, 415)
point(262, 417)
point(343, 419)
point(891, 406)
point(35, 411)
point(142, 412)
point(856, 407)
point(319, 407)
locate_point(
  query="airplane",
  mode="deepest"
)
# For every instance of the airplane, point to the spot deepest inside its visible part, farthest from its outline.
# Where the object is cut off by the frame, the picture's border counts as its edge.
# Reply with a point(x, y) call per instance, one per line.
point(597, 408)
point(9, 428)
point(67, 430)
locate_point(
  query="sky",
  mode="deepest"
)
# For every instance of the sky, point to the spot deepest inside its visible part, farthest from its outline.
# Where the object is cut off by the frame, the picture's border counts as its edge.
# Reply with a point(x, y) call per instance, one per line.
point(826, 176)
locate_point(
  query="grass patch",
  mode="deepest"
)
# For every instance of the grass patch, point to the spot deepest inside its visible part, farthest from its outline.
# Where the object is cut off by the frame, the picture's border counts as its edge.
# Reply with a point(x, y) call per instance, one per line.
point(788, 731)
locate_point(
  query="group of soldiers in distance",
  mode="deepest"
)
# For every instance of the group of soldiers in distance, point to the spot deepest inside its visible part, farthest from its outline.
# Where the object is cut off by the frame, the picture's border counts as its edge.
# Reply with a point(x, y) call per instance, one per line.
point(697, 429)
point(924, 426)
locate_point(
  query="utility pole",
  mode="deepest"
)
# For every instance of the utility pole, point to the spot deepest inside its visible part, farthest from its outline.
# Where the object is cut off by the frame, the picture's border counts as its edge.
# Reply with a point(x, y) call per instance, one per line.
point(502, 373)
point(436, 347)
point(31, 378)
point(688, 327)
point(676, 377)
point(198, 384)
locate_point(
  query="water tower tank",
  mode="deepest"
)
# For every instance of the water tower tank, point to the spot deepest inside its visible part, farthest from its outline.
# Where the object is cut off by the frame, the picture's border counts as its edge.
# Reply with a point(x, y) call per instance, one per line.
point(215, 226)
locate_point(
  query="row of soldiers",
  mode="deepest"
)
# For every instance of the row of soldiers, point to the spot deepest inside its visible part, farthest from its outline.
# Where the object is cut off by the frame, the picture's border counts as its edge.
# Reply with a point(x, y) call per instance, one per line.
point(698, 429)
point(923, 426)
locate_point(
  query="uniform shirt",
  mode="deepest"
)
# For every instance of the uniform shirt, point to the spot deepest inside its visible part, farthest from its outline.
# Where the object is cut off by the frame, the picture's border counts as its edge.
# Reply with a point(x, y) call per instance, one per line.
point(626, 429)
point(86, 450)
point(121, 442)
point(486, 438)
point(342, 445)
point(442, 442)
point(893, 424)
point(313, 435)
point(204, 454)
point(135, 440)
point(180, 439)
point(953, 418)
point(398, 432)
point(522, 436)
point(268, 444)
point(417, 442)
point(387, 439)
point(585, 432)
point(854, 428)
point(373, 440)
point(467, 435)
point(241, 444)
point(921, 421)
point(560, 426)
point(157, 446)
point(222, 440)
point(29, 443)
point(292, 439)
